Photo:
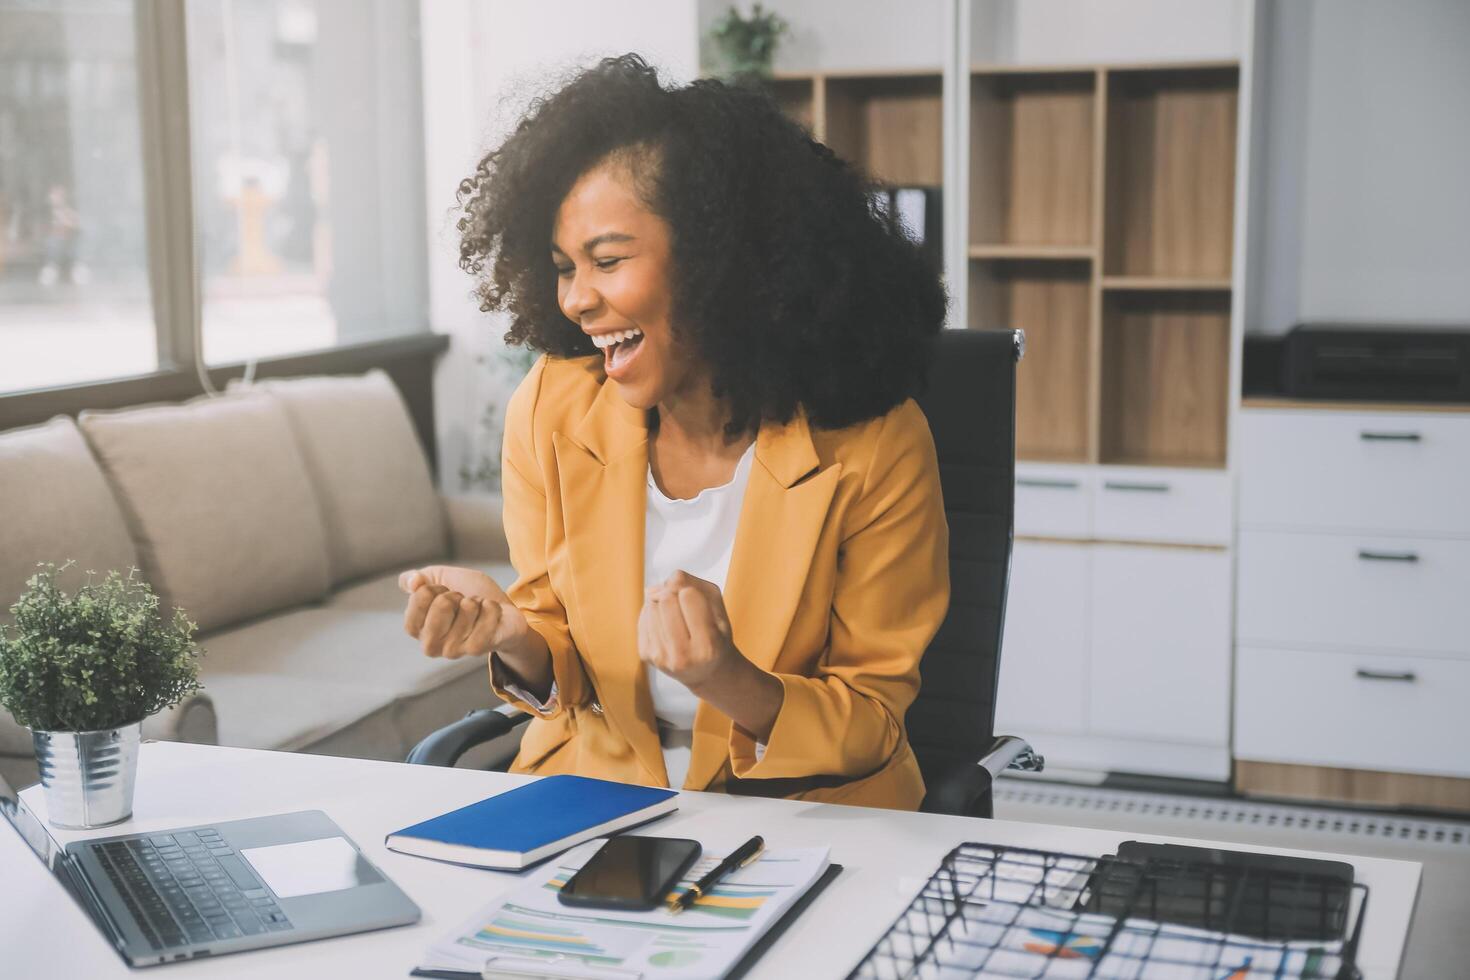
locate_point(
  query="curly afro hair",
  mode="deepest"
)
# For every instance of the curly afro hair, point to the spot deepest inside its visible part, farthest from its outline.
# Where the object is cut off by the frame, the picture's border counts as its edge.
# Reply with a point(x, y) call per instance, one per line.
point(791, 284)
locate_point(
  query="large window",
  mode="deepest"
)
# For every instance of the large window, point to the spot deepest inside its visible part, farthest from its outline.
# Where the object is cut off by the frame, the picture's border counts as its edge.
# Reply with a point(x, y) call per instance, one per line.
point(296, 221)
point(74, 299)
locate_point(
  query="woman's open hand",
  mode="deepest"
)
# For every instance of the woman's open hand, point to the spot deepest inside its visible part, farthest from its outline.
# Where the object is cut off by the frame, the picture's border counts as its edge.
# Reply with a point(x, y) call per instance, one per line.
point(684, 631)
point(459, 612)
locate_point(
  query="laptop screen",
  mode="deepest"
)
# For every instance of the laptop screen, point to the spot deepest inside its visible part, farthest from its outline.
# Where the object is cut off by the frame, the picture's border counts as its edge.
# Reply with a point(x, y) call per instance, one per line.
point(35, 834)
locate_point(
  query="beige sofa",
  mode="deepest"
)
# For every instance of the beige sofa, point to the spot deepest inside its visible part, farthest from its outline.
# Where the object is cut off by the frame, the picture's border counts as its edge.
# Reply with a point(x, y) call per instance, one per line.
point(278, 516)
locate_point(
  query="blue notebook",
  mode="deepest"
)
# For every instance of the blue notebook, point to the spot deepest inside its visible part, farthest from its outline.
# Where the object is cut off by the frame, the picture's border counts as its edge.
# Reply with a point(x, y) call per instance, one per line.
point(532, 822)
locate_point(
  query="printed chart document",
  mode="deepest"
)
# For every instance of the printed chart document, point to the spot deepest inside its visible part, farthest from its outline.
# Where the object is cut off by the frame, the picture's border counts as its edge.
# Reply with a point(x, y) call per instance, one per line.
point(529, 926)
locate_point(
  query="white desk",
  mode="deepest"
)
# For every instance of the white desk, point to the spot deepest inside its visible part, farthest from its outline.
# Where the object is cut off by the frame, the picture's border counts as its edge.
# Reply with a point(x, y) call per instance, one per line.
point(42, 934)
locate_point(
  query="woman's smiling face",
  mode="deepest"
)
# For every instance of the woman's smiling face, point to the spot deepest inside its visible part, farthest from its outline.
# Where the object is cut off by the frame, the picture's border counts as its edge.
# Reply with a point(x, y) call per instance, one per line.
point(612, 257)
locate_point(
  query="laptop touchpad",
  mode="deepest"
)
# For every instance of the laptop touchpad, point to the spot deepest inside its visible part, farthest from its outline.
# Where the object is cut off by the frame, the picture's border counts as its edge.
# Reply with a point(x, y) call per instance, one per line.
point(310, 867)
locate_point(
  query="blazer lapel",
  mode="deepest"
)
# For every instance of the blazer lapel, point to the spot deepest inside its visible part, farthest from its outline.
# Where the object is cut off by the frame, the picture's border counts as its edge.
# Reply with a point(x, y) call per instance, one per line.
point(781, 520)
point(603, 469)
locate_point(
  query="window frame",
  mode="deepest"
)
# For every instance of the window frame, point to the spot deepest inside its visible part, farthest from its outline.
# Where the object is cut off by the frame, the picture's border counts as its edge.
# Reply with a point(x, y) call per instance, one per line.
point(168, 196)
point(409, 359)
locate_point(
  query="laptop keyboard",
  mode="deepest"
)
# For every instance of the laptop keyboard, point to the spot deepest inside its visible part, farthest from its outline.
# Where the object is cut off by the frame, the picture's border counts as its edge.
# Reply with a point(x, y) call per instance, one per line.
point(189, 887)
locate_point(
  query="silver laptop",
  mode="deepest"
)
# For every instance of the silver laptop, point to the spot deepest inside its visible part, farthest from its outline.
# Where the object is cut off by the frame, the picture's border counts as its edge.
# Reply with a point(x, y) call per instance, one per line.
point(202, 891)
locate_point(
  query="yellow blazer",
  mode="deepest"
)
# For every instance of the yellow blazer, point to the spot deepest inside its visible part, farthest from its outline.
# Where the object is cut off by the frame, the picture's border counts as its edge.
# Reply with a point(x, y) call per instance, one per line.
point(838, 581)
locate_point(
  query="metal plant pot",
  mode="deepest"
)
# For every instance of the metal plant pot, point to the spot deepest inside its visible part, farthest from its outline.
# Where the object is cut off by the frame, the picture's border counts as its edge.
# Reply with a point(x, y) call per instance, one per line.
point(88, 776)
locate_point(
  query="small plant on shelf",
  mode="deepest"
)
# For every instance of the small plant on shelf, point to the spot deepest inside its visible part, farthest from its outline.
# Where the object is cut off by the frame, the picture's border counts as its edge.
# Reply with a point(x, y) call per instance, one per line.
point(747, 45)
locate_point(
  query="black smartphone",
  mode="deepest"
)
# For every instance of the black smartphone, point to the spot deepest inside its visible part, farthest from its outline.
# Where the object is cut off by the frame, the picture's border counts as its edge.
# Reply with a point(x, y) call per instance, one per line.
point(631, 873)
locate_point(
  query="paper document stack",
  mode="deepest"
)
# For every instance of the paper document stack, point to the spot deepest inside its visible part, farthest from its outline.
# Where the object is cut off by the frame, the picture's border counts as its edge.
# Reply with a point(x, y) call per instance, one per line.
point(528, 932)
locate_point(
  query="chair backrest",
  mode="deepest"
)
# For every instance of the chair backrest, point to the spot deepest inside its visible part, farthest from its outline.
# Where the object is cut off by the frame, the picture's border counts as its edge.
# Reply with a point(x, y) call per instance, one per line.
point(971, 408)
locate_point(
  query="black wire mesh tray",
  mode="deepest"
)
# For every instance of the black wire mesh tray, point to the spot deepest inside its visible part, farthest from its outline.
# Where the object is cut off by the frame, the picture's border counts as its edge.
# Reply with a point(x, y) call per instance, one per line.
point(992, 911)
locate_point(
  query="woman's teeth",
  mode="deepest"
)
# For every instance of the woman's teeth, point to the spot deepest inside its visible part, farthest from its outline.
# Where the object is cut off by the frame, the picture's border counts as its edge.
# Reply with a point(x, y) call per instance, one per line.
point(622, 352)
point(605, 340)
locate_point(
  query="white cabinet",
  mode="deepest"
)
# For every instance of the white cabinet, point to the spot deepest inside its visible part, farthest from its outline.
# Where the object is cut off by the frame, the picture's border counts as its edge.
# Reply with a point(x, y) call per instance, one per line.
point(1353, 619)
point(1353, 711)
point(1355, 471)
point(1355, 591)
point(1123, 503)
point(1043, 669)
point(1116, 657)
point(1054, 500)
point(1160, 629)
point(1136, 503)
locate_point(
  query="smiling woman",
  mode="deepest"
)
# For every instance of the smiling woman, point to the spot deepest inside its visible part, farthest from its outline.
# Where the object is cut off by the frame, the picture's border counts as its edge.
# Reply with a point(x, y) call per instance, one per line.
point(613, 274)
point(722, 502)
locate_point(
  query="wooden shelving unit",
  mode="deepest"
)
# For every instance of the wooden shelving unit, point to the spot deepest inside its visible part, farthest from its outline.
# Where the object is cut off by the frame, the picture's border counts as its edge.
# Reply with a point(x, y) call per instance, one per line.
point(1053, 299)
point(1100, 210)
point(1031, 158)
point(797, 98)
point(1032, 252)
point(1101, 218)
point(1170, 176)
point(890, 123)
point(1101, 223)
point(1160, 283)
point(1165, 368)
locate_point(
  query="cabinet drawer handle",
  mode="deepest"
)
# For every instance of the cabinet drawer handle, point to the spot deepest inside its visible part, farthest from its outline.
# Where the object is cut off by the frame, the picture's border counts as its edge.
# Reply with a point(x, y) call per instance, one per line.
point(1028, 481)
point(1385, 675)
point(1141, 487)
point(1408, 556)
point(1390, 436)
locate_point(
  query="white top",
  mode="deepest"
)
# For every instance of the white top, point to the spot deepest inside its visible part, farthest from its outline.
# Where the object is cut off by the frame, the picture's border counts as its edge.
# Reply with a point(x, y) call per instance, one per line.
point(696, 536)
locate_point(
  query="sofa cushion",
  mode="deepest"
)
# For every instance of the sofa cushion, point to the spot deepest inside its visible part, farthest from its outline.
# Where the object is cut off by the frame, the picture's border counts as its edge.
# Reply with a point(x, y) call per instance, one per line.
point(218, 502)
point(391, 731)
point(291, 681)
point(378, 500)
point(55, 505)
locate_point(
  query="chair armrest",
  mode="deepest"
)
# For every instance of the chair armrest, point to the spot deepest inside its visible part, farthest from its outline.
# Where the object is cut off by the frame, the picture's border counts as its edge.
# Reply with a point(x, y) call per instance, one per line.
point(1010, 752)
point(476, 530)
point(963, 788)
point(444, 747)
point(191, 720)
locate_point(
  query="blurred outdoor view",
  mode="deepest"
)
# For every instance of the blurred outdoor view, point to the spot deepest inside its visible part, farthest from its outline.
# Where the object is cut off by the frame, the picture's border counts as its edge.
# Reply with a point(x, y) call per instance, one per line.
point(309, 228)
point(74, 300)
point(261, 182)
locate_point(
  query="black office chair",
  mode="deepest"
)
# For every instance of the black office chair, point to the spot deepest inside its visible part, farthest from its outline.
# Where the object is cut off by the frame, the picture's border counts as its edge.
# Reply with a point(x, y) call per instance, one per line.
point(971, 407)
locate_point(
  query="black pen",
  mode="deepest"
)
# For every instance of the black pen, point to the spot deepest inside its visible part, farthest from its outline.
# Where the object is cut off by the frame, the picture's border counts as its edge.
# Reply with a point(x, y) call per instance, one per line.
point(738, 858)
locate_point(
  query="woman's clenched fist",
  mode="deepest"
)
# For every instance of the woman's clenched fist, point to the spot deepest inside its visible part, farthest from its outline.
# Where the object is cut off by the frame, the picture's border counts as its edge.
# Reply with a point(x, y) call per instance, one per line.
point(459, 612)
point(684, 631)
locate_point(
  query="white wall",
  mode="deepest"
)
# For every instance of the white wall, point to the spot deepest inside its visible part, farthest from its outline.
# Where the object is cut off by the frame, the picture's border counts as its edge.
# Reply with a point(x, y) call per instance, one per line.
point(853, 34)
point(1365, 209)
point(876, 34)
point(1038, 32)
point(482, 63)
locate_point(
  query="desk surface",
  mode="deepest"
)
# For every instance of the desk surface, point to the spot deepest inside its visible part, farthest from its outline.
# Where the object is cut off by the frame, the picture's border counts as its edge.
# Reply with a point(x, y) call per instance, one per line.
point(886, 853)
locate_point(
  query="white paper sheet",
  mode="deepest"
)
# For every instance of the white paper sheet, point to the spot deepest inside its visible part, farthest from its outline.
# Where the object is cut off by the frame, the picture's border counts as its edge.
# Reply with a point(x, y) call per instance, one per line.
point(530, 924)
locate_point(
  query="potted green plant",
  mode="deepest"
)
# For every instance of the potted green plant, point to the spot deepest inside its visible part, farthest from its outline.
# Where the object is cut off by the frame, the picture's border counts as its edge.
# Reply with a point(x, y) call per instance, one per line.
point(82, 672)
point(748, 44)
